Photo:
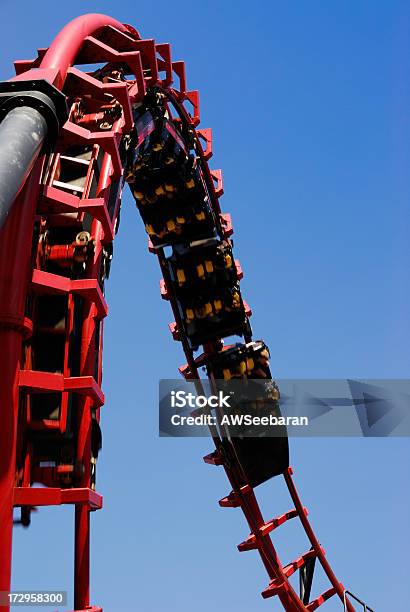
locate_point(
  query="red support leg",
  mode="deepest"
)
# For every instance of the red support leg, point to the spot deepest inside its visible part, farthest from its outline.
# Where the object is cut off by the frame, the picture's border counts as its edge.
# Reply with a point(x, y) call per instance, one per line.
point(82, 558)
point(10, 341)
point(82, 513)
point(15, 251)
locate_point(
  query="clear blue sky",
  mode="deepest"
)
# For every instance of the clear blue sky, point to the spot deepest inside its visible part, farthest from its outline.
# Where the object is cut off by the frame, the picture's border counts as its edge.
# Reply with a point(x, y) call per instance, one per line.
point(309, 104)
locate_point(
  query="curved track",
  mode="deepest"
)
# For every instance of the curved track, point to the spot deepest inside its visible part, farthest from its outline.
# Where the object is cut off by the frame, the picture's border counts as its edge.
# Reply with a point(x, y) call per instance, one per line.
point(71, 207)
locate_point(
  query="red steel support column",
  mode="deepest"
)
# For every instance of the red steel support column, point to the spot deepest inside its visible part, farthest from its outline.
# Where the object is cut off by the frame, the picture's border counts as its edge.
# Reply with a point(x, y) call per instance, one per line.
point(82, 512)
point(15, 251)
point(82, 557)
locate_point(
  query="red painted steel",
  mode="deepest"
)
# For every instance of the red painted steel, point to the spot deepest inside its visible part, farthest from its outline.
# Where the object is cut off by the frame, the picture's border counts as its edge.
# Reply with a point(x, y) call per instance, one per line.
point(98, 128)
point(49, 496)
point(66, 46)
point(15, 247)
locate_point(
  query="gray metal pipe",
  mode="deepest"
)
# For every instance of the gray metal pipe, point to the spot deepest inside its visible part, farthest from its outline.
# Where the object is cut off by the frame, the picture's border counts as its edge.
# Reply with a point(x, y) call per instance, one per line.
point(22, 133)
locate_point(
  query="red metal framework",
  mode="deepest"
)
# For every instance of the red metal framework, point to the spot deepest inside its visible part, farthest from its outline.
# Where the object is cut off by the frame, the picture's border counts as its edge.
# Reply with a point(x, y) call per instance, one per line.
point(55, 251)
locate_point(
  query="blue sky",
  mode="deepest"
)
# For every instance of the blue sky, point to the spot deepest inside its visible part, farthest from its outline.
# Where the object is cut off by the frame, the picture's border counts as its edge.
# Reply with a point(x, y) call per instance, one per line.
point(308, 102)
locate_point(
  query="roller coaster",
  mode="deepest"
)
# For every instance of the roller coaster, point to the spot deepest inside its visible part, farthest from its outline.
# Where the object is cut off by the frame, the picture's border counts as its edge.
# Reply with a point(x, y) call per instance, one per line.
point(99, 108)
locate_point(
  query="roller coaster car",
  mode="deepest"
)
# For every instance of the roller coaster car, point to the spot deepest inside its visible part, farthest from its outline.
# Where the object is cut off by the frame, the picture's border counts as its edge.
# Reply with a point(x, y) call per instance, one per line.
point(261, 453)
point(205, 267)
point(167, 184)
point(207, 291)
point(241, 361)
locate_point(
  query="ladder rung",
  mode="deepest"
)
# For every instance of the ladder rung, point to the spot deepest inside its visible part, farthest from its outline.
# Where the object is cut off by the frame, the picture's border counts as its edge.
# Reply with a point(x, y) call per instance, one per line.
point(230, 501)
point(213, 458)
point(313, 605)
point(76, 160)
point(233, 500)
point(251, 542)
point(163, 290)
point(291, 568)
point(69, 186)
point(273, 589)
point(279, 520)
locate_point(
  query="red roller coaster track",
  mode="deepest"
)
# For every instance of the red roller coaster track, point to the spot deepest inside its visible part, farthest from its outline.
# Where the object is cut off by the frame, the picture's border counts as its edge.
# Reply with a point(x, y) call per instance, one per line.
point(64, 218)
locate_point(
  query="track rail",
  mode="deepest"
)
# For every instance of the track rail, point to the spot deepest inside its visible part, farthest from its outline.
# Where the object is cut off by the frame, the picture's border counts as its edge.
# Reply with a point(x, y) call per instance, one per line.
point(77, 203)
